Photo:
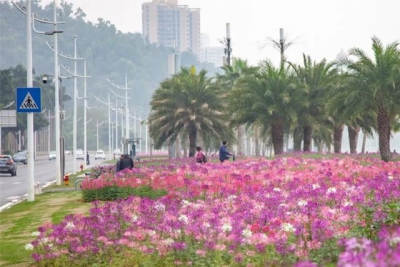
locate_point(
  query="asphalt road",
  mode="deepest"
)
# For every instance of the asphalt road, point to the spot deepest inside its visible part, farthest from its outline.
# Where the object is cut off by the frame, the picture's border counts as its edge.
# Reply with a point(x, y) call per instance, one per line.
point(15, 188)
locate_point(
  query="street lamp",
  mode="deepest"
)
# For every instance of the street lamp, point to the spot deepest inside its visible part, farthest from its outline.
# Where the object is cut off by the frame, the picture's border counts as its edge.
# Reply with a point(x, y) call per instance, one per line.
point(108, 104)
point(126, 104)
point(75, 59)
point(97, 133)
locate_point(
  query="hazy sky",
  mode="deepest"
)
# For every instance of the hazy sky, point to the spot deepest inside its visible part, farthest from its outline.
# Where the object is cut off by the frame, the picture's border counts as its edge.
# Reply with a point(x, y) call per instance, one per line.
point(321, 27)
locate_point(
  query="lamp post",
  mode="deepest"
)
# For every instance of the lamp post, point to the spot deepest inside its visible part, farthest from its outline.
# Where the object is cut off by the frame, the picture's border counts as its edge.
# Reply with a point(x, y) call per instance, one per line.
point(29, 27)
point(75, 59)
point(127, 127)
point(84, 105)
point(110, 141)
point(97, 134)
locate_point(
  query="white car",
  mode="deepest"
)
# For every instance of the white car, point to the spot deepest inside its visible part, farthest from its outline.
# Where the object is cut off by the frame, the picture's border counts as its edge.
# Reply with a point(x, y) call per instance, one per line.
point(79, 154)
point(52, 155)
point(100, 155)
point(67, 152)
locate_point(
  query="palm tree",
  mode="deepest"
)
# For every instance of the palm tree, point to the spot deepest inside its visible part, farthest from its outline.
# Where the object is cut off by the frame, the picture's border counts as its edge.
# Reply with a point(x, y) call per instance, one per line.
point(314, 78)
point(264, 98)
point(232, 73)
point(190, 104)
point(376, 88)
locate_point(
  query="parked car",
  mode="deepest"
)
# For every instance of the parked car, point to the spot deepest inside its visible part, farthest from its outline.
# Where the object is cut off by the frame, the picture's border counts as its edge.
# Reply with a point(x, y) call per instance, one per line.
point(79, 154)
point(52, 155)
point(67, 152)
point(7, 165)
point(100, 155)
point(21, 156)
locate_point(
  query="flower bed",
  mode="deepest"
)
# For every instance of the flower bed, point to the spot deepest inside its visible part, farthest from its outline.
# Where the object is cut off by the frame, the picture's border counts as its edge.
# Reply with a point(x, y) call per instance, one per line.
point(246, 213)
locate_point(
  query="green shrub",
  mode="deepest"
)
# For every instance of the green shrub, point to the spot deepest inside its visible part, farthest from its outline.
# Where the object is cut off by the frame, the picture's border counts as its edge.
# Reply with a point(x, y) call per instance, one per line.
point(114, 192)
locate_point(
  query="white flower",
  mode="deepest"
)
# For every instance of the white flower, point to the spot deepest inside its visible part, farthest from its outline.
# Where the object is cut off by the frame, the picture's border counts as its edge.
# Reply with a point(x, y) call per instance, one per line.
point(159, 206)
point(29, 246)
point(183, 218)
point(185, 203)
point(226, 227)
point(394, 241)
point(45, 240)
point(246, 233)
point(315, 186)
point(70, 226)
point(206, 225)
point(276, 189)
point(35, 233)
point(152, 233)
point(232, 197)
point(302, 203)
point(283, 205)
point(348, 203)
point(390, 177)
point(168, 241)
point(134, 218)
point(287, 227)
point(331, 190)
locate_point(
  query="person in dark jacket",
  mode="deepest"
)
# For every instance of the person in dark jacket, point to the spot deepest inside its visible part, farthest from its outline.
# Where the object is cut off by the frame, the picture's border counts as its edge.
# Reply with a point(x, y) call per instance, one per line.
point(87, 158)
point(118, 165)
point(126, 162)
point(223, 152)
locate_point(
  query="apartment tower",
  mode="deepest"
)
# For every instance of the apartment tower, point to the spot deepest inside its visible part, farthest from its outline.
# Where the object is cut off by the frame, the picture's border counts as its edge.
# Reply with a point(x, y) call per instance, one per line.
point(167, 23)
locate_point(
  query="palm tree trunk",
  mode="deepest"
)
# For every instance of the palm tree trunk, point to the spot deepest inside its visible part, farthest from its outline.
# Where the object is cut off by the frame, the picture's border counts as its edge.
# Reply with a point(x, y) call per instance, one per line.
point(277, 138)
point(297, 139)
point(240, 139)
point(353, 138)
point(320, 146)
point(364, 142)
point(307, 138)
point(178, 147)
point(384, 134)
point(257, 140)
point(337, 138)
point(192, 143)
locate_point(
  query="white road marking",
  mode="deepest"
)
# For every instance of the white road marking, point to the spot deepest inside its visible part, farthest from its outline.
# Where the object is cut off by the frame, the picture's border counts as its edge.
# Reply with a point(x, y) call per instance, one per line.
point(16, 183)
point(13, 197)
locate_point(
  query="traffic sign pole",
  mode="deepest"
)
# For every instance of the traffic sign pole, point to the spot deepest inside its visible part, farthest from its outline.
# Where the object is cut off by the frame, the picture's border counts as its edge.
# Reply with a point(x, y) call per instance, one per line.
point(29, 83)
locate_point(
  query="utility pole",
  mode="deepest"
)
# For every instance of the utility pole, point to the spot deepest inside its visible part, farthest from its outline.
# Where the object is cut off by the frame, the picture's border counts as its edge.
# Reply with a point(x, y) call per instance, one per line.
point(74, 58)
point(29, 83)
point(30, 18)
point(110, 132)
point(127, 126)
point(84, 105)
point(228, 49)
point(282, 45)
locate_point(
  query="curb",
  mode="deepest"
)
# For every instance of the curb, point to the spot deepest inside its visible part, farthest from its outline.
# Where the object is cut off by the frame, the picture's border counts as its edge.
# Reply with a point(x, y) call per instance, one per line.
point(15, 202)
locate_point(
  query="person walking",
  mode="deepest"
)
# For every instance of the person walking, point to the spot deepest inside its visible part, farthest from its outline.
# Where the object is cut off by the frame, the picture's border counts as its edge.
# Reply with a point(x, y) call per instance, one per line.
point(223, 152)
point(87, 158)
point(126, 162)
point(118, 165)
point(200, 156)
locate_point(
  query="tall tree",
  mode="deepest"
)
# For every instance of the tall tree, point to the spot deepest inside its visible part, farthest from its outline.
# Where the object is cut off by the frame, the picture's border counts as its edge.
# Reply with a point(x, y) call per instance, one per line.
point(190, 104)
point(314, 78)
point(265, 98)
point(376, 88)
point(232, 73)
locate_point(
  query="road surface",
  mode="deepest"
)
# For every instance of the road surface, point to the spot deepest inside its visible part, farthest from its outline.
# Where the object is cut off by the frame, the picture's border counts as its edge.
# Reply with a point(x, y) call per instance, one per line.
point(15, 188)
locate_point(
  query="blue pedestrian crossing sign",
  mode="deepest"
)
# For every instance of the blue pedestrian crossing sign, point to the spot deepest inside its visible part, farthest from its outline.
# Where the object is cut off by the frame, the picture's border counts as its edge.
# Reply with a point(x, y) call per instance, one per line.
point(29, 100)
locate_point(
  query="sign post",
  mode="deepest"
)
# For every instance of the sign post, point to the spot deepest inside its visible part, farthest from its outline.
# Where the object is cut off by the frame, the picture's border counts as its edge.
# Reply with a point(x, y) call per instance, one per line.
point(29, 100)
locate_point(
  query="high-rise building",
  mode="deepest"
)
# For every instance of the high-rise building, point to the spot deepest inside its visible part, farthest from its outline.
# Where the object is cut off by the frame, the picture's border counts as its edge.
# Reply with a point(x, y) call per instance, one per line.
point(212, 54)
point(172, 25)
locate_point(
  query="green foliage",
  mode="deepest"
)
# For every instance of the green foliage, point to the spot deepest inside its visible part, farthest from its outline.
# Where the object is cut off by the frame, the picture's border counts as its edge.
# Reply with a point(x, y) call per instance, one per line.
point(190, 104)
point(114, 192)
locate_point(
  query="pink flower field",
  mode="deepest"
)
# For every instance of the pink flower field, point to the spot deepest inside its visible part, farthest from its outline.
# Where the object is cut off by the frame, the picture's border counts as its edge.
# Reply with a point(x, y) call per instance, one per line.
point(254, 212)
